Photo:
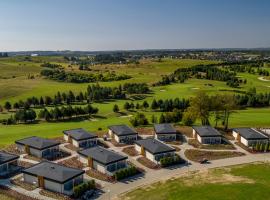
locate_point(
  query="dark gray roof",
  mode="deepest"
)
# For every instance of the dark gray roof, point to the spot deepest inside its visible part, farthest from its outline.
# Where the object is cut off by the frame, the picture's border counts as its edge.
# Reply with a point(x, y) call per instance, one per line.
point(206, 131)
point(102, 155)
point(164, 128)
point(37, 142)
point(250, 134)
point(79, 134)
point(122, 130)
point(6, 157)
point(154, 146)
point(53, 171)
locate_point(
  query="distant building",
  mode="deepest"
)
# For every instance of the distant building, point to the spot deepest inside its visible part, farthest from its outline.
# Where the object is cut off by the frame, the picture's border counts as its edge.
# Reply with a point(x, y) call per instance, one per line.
point(103, 160)
point(249, 136)
point(53, 177)
point(153, 149)
point(165, 132)
point(8, 163)
point(122, 133)
point(38, 147)
point(80, 138)
point(207, 135)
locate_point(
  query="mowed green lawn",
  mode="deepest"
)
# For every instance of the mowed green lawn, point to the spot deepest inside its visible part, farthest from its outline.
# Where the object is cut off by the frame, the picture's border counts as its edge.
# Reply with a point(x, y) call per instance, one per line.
point(10, 133)
point(244, 182)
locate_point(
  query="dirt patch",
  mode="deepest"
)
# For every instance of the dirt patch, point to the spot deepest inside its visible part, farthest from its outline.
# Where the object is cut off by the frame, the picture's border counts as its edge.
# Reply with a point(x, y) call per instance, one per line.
point(71, 147)
point(131, 151)
point(12, 149)
point(72, 162)
point(145, 131)
point(197, 155)
point(203, 177)
point(20, 182)
point(148, 163)
point(13, 194)
point(185, 130)
point(196, 144)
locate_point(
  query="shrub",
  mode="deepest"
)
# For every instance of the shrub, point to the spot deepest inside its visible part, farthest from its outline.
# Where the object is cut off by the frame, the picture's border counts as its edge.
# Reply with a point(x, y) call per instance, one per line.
point(80, 189)
point(126, 172)
point(171, 160)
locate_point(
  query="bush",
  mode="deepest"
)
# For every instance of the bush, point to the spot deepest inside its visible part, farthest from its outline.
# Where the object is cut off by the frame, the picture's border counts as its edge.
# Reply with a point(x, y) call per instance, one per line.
point(123, 173)
point(82, 188)
point(171, 160)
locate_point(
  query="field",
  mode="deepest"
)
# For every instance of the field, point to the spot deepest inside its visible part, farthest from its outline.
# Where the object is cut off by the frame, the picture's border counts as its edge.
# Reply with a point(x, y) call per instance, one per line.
point(20, 79)
point(249, 181)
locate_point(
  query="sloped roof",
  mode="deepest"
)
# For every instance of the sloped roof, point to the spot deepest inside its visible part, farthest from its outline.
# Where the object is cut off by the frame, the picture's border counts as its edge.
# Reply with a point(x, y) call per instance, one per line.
point(102, 155)
point(37, 142)
point(207, 131)
point(122, 130)
point(154, 146)
point(53, 171)
point(250, 134)
point(79, 134)
point(6, 157)
point(164, 128)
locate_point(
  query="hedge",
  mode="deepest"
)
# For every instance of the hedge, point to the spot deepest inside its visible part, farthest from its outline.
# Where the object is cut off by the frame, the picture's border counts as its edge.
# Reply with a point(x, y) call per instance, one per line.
point(171, 160)
point(80, 189)
point(126, 172)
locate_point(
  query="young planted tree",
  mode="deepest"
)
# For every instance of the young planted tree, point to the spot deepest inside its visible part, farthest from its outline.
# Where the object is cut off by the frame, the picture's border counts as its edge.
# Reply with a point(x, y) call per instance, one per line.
point(7, 106)
point(115, 108)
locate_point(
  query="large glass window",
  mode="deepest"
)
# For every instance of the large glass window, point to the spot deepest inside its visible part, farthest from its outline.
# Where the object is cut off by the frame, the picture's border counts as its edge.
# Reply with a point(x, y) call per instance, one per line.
point(68, 185)
point(3, 168)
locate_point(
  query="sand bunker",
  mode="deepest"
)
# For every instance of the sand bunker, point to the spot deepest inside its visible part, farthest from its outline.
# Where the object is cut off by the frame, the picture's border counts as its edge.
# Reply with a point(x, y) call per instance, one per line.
point(262, 79)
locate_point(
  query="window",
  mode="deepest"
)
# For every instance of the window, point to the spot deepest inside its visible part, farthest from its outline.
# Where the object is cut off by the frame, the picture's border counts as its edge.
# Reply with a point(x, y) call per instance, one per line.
point(68, 185)
point(3, 168)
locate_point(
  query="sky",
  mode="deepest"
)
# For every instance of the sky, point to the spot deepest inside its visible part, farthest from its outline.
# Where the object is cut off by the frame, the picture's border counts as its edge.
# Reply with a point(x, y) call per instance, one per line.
point(89, 25)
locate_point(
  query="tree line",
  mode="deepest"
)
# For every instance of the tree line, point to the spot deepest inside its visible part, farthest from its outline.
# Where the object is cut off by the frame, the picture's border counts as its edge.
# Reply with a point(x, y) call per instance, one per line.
point(209, 72)
point(72, 77)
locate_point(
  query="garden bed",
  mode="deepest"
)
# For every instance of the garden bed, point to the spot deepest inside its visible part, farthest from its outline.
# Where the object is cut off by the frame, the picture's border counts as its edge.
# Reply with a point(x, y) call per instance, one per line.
point(148, 163)
point(54, 195)
point(197, 155)
point(116, 144)
point(25, 164)
point(71, 147)
point(185, 130)
point(245, 147)
point(13, 194)
point(196, 144)
point(145, 131)
point(100, 176)
point(12, 149)
point(131, 151)
point(19, 182)
point(72, 162)
point(176, 142)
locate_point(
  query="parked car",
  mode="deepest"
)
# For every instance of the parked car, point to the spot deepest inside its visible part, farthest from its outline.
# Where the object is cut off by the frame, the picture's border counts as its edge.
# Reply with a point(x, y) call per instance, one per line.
point(204, 161)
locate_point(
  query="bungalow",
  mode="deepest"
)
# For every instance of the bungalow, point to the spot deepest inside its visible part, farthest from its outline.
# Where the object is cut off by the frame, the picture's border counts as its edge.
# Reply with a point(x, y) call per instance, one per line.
point(154, 149)
point(53, 177)
point(80, 138)
point(249, 136)
point(38, 147)
point(122, 134)
point(103, 160)
point(165, 132)
point(207, 135)
point(8, 163)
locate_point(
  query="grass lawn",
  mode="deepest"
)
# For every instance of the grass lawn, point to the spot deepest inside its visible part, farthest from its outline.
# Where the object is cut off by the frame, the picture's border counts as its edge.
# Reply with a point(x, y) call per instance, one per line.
point(243, 182)
point(10, 133)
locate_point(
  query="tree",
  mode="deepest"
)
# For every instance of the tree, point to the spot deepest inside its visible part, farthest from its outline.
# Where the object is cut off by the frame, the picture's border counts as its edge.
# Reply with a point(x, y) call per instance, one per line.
point(162, 119)
point(145, 105)
point(126, 106)
point(7, 106)
point(154, 119)
point(200, 107)
point(115, 108)
point(154, 105)
point(16, 106)
point(188, 118)
point(228, 106)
